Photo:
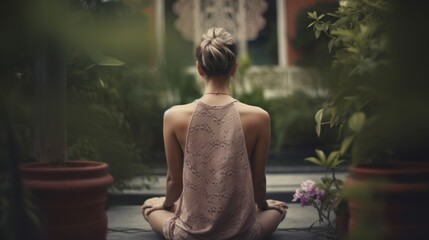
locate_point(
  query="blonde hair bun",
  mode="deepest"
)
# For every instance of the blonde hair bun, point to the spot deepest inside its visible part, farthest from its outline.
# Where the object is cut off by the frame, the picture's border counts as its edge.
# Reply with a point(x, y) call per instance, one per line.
point(217, 52)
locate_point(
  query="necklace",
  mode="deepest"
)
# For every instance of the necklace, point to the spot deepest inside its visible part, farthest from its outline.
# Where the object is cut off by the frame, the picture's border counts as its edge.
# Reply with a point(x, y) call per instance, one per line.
point(218, 93)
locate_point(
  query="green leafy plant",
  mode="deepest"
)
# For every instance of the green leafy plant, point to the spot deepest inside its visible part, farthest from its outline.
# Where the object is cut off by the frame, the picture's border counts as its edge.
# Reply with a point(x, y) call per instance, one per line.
point(116, 114)
point(359, 44)
point(328, 163)
point(305, 42)
point(292, 120)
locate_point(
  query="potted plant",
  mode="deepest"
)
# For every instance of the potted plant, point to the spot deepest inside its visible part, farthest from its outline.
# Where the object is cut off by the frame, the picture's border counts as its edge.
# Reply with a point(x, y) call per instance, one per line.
point(378, 103)
point(70, 195)
point(60, 44)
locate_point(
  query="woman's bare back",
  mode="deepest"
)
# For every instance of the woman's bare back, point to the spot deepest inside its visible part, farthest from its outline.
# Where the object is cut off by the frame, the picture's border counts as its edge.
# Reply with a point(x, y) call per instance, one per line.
point(254, 120)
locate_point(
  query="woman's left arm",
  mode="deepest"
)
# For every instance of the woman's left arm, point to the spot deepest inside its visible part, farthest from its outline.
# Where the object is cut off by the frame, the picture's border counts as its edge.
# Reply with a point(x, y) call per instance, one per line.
point(174, 155)
point(259, 158)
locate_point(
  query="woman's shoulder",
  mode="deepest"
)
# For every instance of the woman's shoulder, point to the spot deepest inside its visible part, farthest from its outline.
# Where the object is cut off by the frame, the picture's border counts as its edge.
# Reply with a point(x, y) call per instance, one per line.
point(246, 109)
point(180, 110)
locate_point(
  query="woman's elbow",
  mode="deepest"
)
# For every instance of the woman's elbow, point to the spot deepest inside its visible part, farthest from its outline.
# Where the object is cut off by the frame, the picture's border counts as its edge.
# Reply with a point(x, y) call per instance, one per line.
point(173, 183)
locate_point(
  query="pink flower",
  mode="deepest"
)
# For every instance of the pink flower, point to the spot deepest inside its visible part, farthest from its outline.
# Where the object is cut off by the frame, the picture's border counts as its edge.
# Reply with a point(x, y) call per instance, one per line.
point(308, 185)
point(304, 198)
point(309, 194)
point(320, 192)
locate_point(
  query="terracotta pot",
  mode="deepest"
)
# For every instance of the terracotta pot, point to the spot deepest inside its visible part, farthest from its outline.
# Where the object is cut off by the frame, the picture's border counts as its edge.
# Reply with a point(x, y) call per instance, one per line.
point(389, 201)
point(342, 222)
point(71, 199)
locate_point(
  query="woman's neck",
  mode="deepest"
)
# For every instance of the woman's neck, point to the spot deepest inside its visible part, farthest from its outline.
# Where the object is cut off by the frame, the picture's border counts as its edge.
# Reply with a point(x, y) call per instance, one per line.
point(217, 85)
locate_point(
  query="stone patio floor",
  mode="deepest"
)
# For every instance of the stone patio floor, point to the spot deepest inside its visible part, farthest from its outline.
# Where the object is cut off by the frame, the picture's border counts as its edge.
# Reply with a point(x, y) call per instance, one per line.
point(126, 222)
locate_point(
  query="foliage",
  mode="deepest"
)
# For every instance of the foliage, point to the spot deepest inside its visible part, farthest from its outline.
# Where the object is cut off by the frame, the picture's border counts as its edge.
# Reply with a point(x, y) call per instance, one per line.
point(254, 97)
point(292, 121)
point(359, 42)
point(113, 103)
point(120, 100)
point(329, 163)
point(16, 86)
point(358, 33)
point(106, 121)
point(293, 135)
point(313, 52)
point(187, 87)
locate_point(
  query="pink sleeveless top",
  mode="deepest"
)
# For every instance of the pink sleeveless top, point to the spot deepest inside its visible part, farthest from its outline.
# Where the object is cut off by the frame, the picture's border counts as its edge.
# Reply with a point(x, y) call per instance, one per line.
point(217, 201)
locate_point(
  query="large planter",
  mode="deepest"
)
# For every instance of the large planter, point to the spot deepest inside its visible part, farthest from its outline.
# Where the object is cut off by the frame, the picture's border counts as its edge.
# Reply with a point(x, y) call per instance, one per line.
point(71, 199)
point(342, 217)
point(389, 201)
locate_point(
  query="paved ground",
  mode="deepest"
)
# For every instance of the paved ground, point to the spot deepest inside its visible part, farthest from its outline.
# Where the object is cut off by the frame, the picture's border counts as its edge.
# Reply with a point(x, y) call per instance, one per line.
point(285, 183)
point(126, 222)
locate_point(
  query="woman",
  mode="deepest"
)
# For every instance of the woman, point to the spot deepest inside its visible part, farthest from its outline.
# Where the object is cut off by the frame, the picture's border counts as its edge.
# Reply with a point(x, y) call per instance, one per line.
point(216, 149)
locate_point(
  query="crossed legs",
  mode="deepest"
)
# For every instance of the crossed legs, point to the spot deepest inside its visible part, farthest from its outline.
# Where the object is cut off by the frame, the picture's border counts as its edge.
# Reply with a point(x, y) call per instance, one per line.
point(269, 219)
point(157, 218)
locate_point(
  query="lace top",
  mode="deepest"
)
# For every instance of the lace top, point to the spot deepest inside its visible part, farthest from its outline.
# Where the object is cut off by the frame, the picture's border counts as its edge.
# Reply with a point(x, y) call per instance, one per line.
point(217, 201)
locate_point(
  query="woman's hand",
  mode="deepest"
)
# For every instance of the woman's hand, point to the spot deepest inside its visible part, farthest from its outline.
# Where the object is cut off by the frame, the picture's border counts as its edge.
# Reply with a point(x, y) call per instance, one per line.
point(153, 204)
point(277, 205)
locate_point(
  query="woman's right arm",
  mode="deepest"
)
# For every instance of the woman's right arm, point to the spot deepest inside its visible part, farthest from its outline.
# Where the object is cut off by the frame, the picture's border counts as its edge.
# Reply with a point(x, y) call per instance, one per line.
point(259, 158)
point(174, 155)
